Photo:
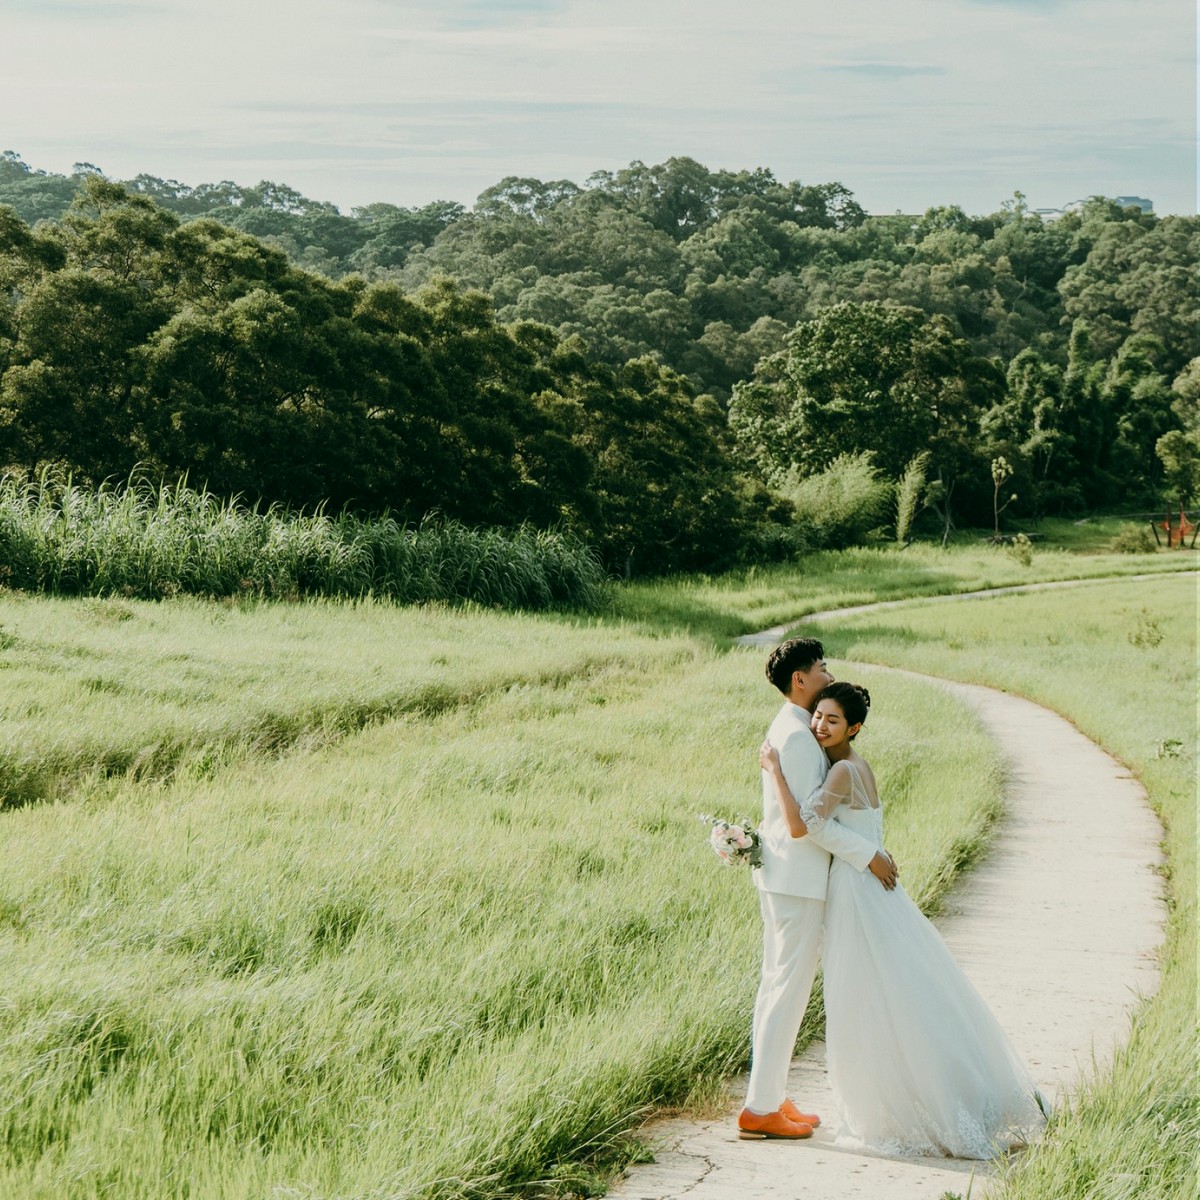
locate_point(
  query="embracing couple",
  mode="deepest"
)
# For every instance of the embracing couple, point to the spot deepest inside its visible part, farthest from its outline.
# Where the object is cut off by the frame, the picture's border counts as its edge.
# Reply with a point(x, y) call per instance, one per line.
point(917, 1063)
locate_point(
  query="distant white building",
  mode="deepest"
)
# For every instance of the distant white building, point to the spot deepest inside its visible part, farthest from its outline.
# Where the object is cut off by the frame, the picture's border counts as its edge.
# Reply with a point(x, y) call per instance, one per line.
point(1053, 214)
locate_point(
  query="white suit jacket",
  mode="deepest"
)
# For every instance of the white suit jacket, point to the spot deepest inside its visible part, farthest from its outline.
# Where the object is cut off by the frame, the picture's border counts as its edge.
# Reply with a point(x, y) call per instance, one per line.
point(800, 866)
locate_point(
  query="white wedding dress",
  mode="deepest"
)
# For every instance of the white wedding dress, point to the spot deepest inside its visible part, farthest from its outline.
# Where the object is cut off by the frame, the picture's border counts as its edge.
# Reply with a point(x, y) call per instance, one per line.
point(917, 1063)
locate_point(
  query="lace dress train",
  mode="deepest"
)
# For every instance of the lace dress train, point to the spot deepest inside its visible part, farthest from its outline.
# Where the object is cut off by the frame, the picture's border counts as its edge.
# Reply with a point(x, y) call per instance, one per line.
point(917, 1062)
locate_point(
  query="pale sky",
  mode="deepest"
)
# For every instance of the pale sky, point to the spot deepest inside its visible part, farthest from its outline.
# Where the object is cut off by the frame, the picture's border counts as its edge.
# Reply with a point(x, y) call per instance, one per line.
point(909, 103)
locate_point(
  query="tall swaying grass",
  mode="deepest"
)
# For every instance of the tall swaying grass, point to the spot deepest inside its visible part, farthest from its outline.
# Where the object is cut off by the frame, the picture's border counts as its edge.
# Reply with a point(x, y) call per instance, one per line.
point(840, 506)
point(104, 686)
point(450, 954)
point(152, 542)
point(443, 959)
point(908, 494)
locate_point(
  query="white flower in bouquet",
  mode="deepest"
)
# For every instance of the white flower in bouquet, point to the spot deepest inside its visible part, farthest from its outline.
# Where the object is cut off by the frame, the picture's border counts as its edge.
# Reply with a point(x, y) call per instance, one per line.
point(734, 842)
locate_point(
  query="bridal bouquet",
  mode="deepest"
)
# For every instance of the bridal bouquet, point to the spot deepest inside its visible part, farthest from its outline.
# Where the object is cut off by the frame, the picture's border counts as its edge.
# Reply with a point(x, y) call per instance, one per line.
point(734, 842)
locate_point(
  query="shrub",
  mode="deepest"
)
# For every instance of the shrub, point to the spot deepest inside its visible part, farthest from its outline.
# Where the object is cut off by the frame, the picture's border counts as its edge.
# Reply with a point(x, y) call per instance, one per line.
point(1020, 549)
point(842, 506)
point(1133, 539)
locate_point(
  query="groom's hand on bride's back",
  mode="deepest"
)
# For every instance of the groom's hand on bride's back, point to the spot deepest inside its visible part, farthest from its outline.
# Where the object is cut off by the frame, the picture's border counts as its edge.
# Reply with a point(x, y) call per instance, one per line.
point(884, 868)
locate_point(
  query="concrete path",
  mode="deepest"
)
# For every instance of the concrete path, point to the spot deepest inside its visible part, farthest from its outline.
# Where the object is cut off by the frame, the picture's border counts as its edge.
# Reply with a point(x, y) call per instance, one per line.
point(1058, 929)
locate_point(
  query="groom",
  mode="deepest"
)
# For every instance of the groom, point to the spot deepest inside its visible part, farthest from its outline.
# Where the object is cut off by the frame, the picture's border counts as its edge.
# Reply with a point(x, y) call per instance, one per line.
point(791, 886)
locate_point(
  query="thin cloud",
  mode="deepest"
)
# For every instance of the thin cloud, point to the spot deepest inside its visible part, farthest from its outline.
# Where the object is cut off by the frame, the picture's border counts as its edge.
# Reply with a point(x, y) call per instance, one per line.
point(439, 97)
point(451, 109)
point(878, 70)
point(63, 9)
point(494, 14)
point(542, 38)
point(1028, 5)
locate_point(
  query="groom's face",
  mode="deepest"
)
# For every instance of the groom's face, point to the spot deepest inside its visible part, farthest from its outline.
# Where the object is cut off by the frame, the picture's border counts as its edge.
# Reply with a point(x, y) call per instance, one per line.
point(810, 681)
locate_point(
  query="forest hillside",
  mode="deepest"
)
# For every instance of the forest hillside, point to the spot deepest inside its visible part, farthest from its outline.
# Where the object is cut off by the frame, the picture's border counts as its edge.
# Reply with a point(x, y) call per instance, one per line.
point(681, 366)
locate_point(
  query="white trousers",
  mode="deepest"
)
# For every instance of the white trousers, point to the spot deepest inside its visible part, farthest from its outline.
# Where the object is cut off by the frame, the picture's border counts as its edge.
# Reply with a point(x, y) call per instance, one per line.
point(791, 948)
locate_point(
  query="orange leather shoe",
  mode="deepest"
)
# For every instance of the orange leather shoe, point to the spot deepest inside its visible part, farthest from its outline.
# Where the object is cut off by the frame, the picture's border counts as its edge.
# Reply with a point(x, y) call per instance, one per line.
point(792, 1113)
point(752, 1127)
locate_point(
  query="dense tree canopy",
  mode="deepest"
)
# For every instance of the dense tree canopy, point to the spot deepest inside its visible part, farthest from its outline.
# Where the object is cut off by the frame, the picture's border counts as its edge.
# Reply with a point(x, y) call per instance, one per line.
point(864, 377)
point(634, 357)
point(132, 339)
point(868, 378)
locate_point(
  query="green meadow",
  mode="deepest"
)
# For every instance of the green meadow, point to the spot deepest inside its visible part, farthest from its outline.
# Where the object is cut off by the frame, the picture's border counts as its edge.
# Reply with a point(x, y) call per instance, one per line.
point(343, 899)
point(724, 606)
point(451, 940)
point(109, 687)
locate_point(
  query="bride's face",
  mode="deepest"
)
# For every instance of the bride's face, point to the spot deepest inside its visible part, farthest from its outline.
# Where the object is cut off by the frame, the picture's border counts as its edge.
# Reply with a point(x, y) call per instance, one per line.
point(829, 725)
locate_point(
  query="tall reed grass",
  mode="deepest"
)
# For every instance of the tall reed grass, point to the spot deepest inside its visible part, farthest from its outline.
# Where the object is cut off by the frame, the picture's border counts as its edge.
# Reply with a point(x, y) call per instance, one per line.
point(143, 541)
point(444, 959)
point(840, 506)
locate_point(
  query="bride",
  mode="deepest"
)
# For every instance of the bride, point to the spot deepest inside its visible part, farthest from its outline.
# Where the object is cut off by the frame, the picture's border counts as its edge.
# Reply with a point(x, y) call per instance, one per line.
point(917, 1062)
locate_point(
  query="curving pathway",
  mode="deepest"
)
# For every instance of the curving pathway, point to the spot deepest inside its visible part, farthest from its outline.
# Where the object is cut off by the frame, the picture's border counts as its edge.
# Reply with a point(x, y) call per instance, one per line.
point(768, 637)
point(1058, 928)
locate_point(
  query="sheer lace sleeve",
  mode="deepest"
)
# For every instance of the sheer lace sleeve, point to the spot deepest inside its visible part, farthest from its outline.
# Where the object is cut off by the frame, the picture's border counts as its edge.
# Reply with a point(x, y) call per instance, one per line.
point(824, 802)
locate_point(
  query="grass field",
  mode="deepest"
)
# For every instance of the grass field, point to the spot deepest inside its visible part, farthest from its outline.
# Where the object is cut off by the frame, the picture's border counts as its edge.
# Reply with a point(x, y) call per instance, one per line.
point(740, 602)
point(1119, 660)
point(109, 686)
point(451, 945)
point(347, 900)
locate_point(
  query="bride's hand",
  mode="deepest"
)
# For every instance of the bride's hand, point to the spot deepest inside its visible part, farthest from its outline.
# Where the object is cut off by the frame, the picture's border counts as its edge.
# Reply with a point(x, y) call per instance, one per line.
point(768, 757)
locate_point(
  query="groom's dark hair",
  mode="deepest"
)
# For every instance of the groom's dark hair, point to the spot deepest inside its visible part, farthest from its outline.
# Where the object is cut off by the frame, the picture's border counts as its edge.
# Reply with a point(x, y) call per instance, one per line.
point(796, 654)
